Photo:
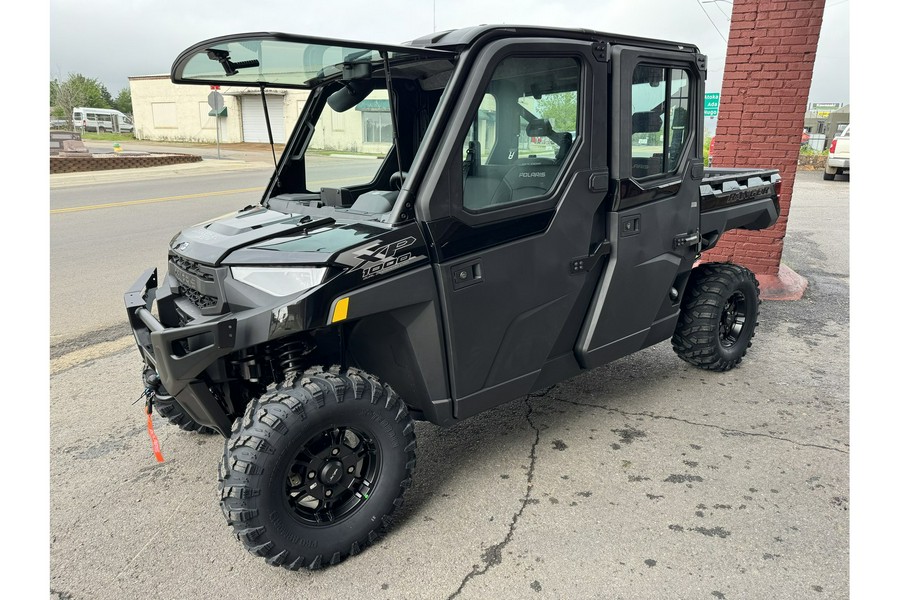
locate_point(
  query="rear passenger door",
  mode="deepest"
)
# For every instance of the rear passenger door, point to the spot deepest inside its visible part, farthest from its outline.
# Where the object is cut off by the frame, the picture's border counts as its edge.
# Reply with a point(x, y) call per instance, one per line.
point(520, 211)
point(653, 226)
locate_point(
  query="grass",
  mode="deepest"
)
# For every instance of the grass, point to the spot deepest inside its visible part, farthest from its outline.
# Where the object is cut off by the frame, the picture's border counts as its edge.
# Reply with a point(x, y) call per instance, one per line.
point(108, 137)
point(807, 151)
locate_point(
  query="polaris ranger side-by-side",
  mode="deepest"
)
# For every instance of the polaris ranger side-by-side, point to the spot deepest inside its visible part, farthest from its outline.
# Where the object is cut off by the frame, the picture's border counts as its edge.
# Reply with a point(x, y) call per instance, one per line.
point(533, 205)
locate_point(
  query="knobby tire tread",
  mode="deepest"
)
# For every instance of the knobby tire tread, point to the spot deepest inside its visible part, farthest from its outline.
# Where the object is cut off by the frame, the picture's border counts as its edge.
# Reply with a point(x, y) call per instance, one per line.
point(266, 418)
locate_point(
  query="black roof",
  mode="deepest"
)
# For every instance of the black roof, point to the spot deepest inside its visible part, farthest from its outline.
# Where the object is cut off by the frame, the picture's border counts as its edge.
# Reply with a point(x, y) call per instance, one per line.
point(458, 39)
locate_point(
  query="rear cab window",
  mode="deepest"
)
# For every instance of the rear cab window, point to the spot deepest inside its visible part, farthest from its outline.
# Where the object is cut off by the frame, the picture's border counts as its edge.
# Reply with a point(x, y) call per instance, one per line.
point(660, 119)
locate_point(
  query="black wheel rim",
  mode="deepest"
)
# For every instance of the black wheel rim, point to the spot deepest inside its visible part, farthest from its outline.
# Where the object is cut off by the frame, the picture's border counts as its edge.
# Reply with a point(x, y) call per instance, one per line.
point(731, 323)
point(332, 475)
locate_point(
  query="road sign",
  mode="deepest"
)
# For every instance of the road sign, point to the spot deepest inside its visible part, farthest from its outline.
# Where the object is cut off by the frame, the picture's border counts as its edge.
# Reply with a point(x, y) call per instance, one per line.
point(711, 104)
point(217, 104)
point(216, 101)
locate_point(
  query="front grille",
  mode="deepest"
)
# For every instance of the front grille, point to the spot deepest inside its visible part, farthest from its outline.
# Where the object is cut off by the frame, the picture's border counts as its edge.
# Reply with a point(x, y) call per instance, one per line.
point(196, 282)
point(191, 267)
point(199, 300)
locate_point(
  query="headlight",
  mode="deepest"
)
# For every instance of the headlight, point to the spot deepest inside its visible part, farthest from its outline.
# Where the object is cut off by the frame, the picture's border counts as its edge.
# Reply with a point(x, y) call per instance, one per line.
point(279, 281)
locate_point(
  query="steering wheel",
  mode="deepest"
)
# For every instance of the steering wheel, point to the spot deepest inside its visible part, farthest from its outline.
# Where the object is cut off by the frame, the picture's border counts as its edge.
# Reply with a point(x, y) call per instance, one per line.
point(397, 179)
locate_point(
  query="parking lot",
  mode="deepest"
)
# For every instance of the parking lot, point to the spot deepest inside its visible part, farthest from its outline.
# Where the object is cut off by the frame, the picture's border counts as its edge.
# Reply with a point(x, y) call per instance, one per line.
point(646, 478)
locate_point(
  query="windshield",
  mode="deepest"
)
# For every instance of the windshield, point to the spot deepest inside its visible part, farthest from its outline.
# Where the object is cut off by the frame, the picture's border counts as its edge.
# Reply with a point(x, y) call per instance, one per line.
point(348, 148)
point(280, 60)
point(344, 145)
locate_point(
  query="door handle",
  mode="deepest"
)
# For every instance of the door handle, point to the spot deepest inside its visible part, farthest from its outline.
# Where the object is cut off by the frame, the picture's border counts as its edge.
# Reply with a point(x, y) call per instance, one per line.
point(466, 274)
point(690, 238)
point(584, 264)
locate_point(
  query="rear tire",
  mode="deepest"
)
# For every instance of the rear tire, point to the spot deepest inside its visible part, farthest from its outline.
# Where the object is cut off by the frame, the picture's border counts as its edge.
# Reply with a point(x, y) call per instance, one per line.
point(316, 467)
point(718, 316)
point(828, 176)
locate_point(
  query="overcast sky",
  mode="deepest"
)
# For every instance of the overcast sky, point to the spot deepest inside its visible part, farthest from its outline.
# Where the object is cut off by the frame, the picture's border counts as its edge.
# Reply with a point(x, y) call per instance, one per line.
point(114, 39)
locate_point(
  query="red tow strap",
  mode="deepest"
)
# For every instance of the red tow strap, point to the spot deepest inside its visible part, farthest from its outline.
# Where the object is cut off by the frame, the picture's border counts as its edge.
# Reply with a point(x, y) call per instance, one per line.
point(157, 451)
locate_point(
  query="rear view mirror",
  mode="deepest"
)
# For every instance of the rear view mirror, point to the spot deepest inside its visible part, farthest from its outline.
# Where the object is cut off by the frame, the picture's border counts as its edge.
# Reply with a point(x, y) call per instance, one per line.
point(352, 94)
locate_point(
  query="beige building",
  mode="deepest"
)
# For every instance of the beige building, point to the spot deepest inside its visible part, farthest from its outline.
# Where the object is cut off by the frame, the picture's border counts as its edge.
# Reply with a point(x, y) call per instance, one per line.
point(829, 122)
point(164, 111)
point(365, 128)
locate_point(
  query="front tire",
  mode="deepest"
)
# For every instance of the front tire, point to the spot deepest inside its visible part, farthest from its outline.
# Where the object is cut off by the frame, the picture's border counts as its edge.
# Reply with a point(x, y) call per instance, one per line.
point(718, 316)
point(173, 412)
point(316, 467)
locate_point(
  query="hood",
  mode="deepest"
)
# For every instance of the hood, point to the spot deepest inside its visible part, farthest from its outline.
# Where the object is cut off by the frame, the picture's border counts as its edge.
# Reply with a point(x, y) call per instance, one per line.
point(264, 236)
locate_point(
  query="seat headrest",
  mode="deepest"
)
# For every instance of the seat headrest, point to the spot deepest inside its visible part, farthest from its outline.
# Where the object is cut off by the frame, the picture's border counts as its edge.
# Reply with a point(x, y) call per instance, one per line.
point(646, 122)
point(539, 128)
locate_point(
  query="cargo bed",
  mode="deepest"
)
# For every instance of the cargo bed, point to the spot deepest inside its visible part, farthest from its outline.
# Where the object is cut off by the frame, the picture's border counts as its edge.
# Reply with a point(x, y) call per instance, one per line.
point(737, 199)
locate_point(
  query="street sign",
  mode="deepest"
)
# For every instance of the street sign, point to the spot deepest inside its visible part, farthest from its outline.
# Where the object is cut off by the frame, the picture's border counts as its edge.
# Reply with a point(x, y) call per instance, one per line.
point(216, 101)
point(711, 104)
point(217, 104)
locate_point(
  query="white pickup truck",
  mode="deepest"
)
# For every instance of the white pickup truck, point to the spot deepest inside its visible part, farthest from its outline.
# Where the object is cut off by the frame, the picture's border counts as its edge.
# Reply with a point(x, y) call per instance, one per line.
point(838, 162)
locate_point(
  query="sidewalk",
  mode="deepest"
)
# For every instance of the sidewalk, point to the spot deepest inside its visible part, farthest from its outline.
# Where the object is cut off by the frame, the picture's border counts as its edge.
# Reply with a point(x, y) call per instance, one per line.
point(205, 167)
point(245, 151)
point(234, 157)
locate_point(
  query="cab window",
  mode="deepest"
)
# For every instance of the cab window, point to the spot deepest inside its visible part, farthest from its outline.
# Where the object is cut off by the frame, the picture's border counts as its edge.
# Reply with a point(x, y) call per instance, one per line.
point(522, 132)
point(660, 119)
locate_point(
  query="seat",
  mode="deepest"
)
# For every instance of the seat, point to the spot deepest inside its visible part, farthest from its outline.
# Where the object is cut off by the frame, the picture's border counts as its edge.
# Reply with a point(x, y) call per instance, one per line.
point(543, 128)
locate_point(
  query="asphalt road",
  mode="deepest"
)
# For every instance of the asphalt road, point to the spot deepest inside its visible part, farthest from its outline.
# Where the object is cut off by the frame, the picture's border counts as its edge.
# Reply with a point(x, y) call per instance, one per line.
point(103, 236)
point(645, 478)
point(99, 245)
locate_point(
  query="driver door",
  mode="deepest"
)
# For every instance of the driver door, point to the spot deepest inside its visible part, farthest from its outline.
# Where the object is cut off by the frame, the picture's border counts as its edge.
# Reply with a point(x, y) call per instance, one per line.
point(523, 215)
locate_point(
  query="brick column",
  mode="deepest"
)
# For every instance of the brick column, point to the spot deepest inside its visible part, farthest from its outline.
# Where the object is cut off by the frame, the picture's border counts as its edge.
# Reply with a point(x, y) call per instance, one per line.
point(768, 71)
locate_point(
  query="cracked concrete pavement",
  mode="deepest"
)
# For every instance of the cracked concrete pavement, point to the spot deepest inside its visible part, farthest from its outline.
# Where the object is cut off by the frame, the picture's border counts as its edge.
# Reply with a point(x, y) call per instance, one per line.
point(645, 478)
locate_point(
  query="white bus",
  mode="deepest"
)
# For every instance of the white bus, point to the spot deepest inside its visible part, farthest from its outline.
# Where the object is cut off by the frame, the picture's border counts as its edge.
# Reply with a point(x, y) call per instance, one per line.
point(101, 120)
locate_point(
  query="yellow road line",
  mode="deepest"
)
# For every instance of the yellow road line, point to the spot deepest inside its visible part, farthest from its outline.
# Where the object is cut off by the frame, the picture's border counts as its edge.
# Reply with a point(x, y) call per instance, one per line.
point(57, 211)
point(83, 355)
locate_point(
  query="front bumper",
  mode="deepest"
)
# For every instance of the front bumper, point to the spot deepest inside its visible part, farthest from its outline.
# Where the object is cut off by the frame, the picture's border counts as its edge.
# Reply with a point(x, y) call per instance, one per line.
point(164, 349)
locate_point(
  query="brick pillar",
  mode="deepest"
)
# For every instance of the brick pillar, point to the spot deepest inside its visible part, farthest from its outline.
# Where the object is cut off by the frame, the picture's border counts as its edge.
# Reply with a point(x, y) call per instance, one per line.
point(768, 71)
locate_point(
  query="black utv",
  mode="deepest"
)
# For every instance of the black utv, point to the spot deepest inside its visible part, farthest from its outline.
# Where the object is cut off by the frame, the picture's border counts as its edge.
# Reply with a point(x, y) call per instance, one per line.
point(453, 223)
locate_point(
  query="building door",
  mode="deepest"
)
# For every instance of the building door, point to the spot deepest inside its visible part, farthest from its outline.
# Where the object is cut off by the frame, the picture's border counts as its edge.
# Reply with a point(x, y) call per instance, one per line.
point(253, 119)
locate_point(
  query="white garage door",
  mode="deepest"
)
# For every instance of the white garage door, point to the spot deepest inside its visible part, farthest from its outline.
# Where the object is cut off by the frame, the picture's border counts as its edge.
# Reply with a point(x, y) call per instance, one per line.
point(253, 120)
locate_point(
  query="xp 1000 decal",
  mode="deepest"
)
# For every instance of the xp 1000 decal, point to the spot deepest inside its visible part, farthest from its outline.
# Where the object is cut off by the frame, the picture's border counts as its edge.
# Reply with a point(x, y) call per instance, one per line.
point(381, 256)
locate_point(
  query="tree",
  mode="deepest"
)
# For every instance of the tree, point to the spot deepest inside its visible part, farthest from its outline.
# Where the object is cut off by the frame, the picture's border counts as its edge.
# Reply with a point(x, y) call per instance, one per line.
point(123, 101)
point(106, 96)
point(561, 109)
point(77, 90)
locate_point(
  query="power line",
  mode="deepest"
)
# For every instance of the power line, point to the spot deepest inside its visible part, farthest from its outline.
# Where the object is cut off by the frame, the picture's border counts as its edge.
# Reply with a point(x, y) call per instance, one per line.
point(716, 27)
point(727, 17)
